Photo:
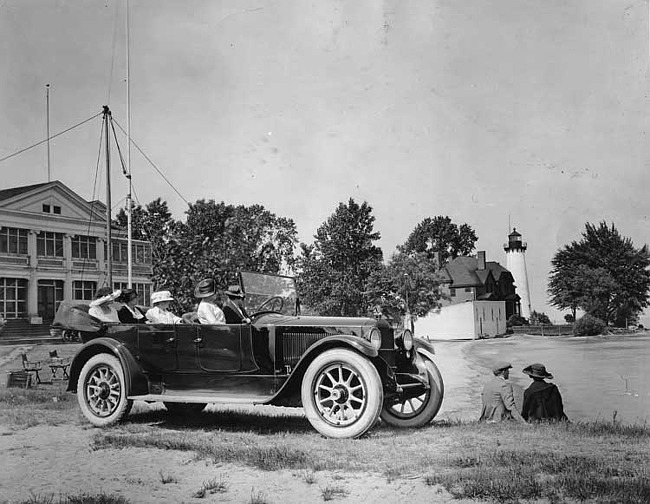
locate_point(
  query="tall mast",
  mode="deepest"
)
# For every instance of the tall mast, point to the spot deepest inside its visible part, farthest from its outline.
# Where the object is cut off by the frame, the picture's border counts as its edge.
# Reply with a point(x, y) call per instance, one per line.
point(129, 203)
point(109, 238)
point(47, 113)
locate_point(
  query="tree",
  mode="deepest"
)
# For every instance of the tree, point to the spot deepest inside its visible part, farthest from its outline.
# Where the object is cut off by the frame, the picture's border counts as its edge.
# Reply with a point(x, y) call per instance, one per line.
point(217, 240)
point(334, 270)
point(407, 284)
point(440, 234)
point(603, 274)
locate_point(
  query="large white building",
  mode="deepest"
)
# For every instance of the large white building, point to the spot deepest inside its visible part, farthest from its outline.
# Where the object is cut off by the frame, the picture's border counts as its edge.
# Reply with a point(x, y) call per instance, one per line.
point(53, 248)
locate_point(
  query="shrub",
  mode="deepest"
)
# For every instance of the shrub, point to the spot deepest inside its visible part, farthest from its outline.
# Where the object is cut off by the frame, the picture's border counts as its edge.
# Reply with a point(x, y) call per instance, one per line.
point(537, 318)
point(569, 318)
point(588, 326)
point(516, 320)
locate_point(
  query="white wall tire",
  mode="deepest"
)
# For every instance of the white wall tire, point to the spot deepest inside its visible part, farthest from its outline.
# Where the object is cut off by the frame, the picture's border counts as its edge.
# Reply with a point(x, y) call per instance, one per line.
point(101, 390)
point(342, 394)
point(417, 411)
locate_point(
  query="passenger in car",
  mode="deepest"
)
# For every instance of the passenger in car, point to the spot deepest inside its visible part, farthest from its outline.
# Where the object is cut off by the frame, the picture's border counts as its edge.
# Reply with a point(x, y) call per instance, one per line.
point(102, 307)
point(160, 313)
point(233, 307)
point(129, 313)
point(208, 311)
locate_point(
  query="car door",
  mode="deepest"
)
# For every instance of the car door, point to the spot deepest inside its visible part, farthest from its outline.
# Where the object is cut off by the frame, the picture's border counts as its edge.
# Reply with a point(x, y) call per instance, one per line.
point(157, 347)
point(219, 347)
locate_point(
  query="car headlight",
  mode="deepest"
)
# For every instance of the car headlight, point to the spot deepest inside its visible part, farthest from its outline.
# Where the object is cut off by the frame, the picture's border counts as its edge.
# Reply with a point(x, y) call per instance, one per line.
point(375, 338)
point(407, 340)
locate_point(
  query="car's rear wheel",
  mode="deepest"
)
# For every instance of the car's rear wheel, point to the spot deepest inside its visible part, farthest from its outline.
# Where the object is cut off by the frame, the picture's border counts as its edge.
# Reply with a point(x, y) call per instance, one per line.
point(342, 394)
point(101, 390)
point(419, 410)
point(178, 408)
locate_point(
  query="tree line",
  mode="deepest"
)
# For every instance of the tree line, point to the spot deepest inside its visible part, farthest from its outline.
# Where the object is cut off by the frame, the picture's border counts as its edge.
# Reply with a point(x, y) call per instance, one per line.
point(343, 271)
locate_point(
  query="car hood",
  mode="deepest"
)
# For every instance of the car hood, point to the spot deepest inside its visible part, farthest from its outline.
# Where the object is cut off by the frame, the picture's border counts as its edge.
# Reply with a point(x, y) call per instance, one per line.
point(308, 320)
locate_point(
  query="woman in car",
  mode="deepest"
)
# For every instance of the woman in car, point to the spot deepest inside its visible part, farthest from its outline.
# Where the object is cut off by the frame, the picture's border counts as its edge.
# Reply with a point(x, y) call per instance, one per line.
point(129, 313)
point(160, 313)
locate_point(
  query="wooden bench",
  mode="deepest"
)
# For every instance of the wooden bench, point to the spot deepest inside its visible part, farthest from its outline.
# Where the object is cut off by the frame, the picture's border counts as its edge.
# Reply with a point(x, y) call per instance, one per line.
point(57, 363)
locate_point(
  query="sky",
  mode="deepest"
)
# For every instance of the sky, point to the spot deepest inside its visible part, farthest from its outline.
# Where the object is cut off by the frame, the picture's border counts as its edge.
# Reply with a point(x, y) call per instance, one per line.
point(496, 113)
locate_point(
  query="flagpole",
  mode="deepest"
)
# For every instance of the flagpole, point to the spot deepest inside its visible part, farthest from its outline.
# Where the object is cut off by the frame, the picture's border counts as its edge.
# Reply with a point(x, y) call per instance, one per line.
point(129, 203)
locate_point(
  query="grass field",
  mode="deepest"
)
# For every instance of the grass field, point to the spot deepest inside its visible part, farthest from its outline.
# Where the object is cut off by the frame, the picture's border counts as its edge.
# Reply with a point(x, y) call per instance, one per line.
point(601, 462)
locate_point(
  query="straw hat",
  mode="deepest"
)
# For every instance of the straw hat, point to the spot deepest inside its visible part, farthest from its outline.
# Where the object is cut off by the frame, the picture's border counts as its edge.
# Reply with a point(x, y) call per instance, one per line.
point(204, 289)
point(160, 296)
point(106, 299)
point(537, 371)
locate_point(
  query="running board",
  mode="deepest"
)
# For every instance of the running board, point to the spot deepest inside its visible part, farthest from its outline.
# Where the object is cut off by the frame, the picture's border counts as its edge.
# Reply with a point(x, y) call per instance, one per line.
point(207, 399)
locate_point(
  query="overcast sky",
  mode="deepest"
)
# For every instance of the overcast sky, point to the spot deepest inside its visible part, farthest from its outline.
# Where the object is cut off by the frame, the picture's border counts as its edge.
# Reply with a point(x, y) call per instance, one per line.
point(493, 112)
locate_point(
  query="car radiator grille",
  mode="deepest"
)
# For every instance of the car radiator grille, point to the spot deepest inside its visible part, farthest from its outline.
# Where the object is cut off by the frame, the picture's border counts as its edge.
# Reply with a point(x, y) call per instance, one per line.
point(294, 345)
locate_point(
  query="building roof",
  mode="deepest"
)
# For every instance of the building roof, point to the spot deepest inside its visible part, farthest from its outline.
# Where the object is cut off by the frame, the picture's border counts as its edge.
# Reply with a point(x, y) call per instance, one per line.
point(16, 191)
point(463, 272)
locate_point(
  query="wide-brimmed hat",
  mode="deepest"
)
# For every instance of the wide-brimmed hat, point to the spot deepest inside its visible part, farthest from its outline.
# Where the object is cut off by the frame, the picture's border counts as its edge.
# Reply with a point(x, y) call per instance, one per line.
point(537, 371)
point(160, 296)
point(106, 299)
point(127, 295)
point(204, 289)
point(234, 291)
point(500, 366)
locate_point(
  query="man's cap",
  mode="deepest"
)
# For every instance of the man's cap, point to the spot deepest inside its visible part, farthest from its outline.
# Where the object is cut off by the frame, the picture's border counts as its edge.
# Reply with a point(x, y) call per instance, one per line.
point(500, 366)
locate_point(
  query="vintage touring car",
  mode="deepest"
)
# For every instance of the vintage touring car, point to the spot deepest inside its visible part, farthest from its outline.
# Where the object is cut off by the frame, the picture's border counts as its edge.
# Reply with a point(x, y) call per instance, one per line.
point(345, 372)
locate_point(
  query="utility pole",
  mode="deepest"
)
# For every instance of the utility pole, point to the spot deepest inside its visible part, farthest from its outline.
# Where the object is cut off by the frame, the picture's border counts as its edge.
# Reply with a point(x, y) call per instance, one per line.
point(47, 115)
point(129, 202)
point(109, 238)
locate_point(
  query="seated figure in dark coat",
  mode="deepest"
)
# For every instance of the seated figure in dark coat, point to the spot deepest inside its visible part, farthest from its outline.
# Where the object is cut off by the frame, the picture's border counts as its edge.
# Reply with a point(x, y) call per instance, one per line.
point(233, 307)
point(542, 400)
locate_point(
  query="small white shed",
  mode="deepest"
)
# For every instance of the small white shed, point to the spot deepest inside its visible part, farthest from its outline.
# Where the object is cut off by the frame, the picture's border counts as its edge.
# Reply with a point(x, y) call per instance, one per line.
point(469, 320)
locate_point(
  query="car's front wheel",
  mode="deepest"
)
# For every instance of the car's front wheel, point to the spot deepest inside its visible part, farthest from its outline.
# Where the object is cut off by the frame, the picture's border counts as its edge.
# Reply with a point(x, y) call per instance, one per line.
point(342, 394)
point(101, 390)
point(419, 410)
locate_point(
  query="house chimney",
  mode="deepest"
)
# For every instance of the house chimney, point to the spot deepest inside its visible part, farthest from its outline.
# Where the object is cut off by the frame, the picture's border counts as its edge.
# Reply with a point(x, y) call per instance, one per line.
point(480, 258)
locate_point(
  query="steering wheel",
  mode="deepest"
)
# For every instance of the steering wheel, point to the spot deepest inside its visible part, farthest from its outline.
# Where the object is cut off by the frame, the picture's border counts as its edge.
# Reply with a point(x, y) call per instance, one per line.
point(271, 302)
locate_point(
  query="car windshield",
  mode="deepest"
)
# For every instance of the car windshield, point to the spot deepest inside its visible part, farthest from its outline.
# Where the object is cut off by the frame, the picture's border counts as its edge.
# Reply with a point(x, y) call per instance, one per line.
point(269, 293)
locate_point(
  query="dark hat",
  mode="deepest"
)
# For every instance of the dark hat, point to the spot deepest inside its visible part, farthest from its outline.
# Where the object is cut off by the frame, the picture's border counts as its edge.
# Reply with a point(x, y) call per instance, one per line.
point(537, 371)
point(500, 366)
point(234, 291)
point(204, 289)
point(127, 295)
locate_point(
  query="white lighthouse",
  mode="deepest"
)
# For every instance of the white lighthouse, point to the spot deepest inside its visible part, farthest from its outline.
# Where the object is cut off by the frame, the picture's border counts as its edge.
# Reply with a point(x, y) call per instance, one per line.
point(516, 264)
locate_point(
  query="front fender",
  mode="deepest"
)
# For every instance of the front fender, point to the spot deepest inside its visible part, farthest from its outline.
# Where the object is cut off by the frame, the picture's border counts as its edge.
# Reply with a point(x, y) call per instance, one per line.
point(291, 387)
point(135, 381)
point(424, 347)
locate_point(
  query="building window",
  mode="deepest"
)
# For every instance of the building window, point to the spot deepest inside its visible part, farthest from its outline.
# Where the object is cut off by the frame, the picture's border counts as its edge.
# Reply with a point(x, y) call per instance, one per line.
point(46, 208)
point(49, 244)
point(13, 240)
point(468, 289)
point(141, 288)
point(84, 290)
point(84, 247)
point(141, 252)
point(452, 291)
point(13, 298)
point(56, 209)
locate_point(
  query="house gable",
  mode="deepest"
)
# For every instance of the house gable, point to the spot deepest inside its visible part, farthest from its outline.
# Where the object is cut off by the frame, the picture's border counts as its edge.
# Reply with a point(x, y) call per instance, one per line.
point(38, 198)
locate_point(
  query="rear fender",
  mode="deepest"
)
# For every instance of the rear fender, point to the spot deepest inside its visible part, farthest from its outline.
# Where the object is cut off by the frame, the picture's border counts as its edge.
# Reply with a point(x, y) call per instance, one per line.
point(136, 381)
point(289, 393)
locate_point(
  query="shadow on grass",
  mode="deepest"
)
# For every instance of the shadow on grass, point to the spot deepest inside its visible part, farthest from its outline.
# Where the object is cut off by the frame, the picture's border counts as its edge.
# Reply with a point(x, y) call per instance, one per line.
point(228, 421)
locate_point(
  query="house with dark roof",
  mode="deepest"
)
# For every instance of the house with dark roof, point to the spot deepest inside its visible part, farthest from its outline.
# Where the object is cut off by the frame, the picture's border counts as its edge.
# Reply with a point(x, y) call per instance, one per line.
point(53, 248)
point(479, 297)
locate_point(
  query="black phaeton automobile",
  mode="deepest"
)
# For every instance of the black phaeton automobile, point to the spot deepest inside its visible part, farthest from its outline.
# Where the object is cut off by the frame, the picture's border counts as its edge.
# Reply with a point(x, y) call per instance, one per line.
point(344, 372)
